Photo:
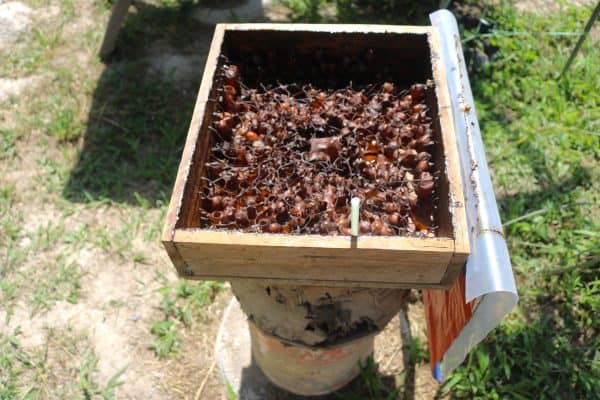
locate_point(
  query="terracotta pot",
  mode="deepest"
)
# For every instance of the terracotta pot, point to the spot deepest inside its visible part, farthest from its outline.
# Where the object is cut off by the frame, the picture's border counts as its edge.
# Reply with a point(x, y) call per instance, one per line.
point(308, 371)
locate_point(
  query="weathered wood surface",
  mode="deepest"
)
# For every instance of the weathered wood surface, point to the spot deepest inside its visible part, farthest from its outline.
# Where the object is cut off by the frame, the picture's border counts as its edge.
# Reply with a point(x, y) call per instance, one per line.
point(194, 132)
point(456, 199)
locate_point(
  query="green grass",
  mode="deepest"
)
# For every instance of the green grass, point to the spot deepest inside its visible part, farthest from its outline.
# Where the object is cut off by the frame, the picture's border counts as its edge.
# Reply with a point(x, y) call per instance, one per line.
point(10, 366)
point(543, 147)
point(11, 253)
point(88, 385)
point(179, 306)
point(374, 388)
point(7, 143)
point(62, 282)
point(40, 373)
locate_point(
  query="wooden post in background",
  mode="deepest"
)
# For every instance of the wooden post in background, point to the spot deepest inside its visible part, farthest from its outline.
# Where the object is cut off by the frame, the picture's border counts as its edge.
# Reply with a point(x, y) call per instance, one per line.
point(117, 15)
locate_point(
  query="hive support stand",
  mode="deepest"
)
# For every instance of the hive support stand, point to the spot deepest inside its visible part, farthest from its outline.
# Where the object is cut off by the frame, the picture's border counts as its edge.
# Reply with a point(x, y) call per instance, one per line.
point(117, 16)
point(233, 353)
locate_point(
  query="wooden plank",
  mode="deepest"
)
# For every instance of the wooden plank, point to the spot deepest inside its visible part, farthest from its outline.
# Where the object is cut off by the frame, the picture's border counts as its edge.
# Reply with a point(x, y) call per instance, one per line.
point(329, 28)
point(321, 282)
point(406, 244)
point(455, 267)
point(315, 258)
point(176, 258)
point(117, 16)
point(192, 136)
point(314, 263)
point(452, 161)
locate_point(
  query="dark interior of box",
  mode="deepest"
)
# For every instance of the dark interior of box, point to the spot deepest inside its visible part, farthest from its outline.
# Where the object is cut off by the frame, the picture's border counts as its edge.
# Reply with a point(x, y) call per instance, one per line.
point(326, 61)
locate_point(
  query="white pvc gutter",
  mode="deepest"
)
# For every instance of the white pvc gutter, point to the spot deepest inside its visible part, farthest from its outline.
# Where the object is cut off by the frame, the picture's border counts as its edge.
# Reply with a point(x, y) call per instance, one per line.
point(489, 276)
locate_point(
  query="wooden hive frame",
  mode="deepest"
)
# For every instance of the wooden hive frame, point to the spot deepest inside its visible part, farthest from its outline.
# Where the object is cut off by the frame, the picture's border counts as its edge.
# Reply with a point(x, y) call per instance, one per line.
point(369, 261)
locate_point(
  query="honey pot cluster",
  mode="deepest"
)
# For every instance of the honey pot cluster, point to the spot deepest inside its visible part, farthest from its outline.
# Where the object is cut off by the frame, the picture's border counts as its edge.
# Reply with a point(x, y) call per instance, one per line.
point(287, 158)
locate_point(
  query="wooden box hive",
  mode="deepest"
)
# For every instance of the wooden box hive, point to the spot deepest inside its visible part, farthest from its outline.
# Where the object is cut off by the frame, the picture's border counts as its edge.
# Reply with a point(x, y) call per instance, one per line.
point(369, 261)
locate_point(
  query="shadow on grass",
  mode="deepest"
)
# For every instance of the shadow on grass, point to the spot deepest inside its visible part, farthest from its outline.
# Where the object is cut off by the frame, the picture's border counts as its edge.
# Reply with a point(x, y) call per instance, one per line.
point(399, 12)
point(139, 118)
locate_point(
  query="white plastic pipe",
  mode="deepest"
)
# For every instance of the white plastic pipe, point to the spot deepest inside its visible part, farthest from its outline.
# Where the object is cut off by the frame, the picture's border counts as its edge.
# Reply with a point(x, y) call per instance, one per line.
point(354, 215)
